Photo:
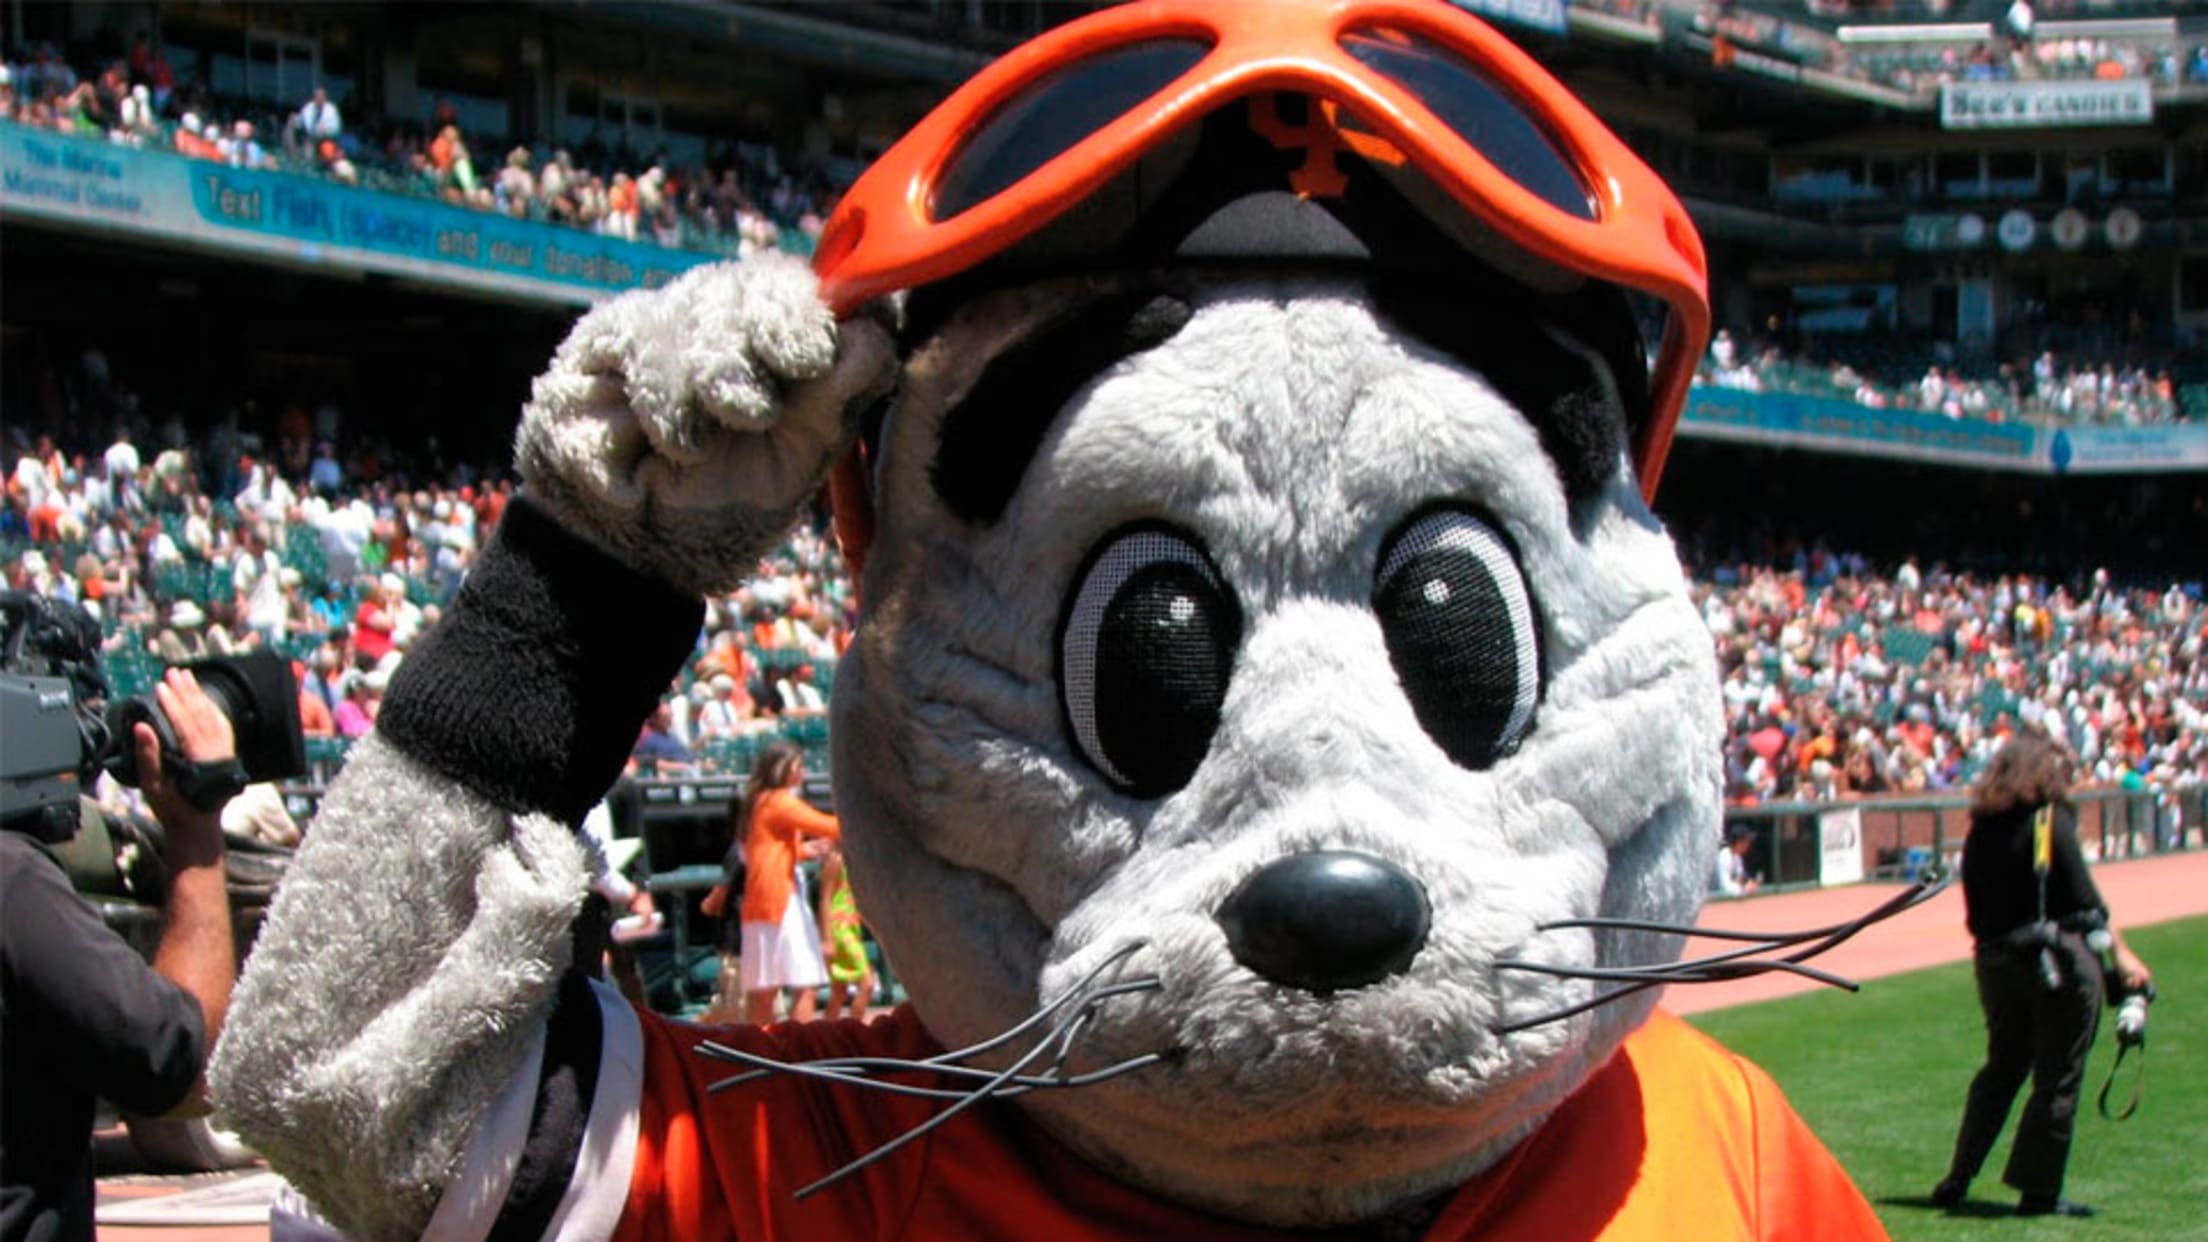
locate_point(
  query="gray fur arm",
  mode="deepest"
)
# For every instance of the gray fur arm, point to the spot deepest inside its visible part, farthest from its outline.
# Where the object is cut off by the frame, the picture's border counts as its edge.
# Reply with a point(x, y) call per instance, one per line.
point(417, 942)
point(412, 947)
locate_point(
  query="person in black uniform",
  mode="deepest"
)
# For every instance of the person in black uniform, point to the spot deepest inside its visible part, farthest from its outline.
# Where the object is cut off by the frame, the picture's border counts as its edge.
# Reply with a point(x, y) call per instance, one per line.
point(82, 1016)
point(2028, 908)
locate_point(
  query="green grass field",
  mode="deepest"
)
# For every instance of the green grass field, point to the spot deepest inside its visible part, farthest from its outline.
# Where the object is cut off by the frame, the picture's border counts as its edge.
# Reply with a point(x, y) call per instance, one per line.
point(1880, 1075)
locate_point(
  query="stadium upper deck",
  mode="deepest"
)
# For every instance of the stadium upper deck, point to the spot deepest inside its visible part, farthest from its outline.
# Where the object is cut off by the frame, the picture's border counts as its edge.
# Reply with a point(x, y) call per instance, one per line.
point(1846, 217)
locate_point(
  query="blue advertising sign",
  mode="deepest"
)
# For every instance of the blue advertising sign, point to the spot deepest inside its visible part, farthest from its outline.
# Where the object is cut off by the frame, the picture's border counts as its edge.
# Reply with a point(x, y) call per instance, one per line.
point(1831, 424)
point(1834, 424)
point(2127, 450)
point(87, 183)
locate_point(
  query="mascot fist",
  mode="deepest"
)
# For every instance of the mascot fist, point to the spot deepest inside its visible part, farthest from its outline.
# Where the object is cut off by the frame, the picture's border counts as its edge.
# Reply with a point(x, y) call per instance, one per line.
point(682, 428)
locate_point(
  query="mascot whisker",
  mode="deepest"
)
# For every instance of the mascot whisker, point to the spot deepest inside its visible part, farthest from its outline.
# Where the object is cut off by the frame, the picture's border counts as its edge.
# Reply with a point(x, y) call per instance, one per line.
point(1722, 966)
point(1279, 755)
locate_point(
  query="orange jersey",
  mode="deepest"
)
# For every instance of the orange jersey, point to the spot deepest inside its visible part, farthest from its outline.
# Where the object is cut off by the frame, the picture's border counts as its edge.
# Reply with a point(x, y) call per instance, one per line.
point(779, 824)
point(1675, 1138)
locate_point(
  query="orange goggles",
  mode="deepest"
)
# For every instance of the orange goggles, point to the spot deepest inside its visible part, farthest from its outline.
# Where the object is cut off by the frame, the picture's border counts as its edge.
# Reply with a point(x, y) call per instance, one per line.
point(1397, 81)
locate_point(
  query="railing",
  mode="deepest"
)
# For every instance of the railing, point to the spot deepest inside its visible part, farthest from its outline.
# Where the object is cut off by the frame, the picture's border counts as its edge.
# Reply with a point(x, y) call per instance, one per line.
point(1897, 838)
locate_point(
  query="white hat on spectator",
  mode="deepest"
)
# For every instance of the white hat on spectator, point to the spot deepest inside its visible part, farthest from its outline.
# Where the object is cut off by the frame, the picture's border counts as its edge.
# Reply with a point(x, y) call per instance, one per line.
point(33, 562)
point(287, 576)
point(190, 122)
point(186, 615)
point(722, 683)
point(377, 679)
point(392, 582)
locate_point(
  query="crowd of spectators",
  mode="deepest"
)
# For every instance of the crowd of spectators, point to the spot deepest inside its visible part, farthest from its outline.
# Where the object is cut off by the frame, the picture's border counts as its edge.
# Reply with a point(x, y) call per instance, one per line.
point(2046, 388)
point(746, 201)
point(1927, 68)
point(1838, 680)
point(338, 553)
point(1841, 681)
point(2013, 47)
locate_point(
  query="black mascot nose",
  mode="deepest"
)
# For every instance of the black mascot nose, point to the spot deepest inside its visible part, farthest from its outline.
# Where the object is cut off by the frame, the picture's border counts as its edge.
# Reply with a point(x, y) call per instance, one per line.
point(1327, 921)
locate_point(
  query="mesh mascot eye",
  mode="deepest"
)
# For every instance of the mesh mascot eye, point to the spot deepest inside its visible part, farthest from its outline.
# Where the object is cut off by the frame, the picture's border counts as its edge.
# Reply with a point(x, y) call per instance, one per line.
point(1144, 653)
point(1462, 633)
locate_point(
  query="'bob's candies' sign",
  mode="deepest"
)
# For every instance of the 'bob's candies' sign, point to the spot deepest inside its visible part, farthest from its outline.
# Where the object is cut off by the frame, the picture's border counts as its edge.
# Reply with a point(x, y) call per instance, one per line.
point(2016, 105)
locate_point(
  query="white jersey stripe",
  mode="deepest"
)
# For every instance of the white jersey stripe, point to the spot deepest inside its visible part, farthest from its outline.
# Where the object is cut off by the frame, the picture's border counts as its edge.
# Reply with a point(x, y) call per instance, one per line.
point(599, 1189)
point(470, 1204)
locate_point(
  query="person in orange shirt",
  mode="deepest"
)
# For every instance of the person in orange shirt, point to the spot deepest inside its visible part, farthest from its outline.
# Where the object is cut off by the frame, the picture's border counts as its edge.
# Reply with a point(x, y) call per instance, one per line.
point(622, 207)
point(315, 719)
point(781, 942)
point(444, 149)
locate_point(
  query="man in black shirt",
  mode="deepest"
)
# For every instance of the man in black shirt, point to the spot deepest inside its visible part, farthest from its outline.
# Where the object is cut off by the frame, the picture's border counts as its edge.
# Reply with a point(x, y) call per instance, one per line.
point(81, 1016)
point(2028, 900)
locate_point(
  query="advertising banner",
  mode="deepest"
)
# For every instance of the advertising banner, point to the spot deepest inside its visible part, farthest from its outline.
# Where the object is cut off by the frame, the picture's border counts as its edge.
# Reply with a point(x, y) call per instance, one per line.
point(1840, 846)
point(2033, 105)
point(2126, 450)
point(1831, 424)
point(87, 183)
point(1843, 426)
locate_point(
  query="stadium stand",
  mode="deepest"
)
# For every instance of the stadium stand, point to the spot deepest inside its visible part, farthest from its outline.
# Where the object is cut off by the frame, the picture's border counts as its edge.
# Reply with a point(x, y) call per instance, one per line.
point(739, 201)
point(1840, 678)
point(2045, 389)
point(1915, 49)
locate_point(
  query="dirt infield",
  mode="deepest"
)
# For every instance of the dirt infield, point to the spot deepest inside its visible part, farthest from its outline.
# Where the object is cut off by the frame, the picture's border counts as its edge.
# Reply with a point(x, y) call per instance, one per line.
point(2138, 891)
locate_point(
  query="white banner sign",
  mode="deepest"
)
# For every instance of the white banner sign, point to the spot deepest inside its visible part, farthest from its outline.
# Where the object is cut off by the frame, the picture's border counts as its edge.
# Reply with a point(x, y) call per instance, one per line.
point(1996, 105)
point(1840, 846)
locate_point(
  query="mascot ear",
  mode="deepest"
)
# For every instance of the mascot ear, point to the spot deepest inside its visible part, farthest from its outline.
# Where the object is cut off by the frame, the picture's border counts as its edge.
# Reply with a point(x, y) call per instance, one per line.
point(1573, 363)
point(988, 438)
point(985, 378)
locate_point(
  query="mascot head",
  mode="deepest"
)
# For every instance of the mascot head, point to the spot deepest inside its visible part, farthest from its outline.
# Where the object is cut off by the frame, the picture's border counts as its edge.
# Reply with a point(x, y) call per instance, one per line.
point(1268, 642)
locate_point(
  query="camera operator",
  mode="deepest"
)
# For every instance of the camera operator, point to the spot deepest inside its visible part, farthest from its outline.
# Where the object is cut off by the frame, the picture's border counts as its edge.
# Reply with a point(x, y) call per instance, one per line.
point(81, 1015)
point(2030, 903)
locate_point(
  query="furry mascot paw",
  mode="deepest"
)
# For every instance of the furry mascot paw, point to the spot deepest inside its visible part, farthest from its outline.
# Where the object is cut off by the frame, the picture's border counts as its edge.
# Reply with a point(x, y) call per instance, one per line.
point(1280, 755)
point(681, 428)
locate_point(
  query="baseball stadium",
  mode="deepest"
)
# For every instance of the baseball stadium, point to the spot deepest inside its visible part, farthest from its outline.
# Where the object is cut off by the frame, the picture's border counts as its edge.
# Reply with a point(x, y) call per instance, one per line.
point(576, 354)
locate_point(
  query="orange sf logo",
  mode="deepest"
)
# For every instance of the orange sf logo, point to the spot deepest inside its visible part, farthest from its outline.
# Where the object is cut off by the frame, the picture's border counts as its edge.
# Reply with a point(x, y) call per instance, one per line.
point(1324, 133)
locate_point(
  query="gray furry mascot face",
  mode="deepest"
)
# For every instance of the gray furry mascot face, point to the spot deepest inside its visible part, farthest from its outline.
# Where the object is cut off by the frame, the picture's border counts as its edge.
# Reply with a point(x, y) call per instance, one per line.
point(1291, 633)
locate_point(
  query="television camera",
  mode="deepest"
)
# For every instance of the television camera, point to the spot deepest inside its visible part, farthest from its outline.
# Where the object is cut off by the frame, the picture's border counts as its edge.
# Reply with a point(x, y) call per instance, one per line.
point(58, 730)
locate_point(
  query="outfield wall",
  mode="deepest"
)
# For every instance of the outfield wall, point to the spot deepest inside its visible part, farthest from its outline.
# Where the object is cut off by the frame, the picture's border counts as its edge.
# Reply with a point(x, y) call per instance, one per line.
point(1898, 837)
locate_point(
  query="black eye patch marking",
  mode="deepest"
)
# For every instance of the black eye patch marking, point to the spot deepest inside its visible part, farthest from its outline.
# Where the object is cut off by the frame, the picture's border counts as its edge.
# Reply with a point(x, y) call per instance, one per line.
point(1462, 632)
point(1145, 650)
point(987, 442)
point(1572, 365)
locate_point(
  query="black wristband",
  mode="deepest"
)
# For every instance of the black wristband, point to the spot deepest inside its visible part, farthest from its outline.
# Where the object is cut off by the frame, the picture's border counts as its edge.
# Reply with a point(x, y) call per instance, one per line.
point(207, 786)
point(533, 687)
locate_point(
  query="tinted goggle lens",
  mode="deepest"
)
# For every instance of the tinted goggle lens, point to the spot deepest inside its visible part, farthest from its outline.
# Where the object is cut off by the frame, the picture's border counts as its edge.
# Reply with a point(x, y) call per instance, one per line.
point(1059, 110)
point(1468, 102)
point(1055, 113)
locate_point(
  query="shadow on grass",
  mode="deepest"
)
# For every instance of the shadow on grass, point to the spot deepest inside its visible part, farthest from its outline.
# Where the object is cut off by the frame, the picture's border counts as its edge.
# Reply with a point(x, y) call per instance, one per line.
point(1967, 1209)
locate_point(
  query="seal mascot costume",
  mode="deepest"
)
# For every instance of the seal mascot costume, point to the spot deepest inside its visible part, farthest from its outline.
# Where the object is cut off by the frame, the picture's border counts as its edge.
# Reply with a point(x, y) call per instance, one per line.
point(1279, 755)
